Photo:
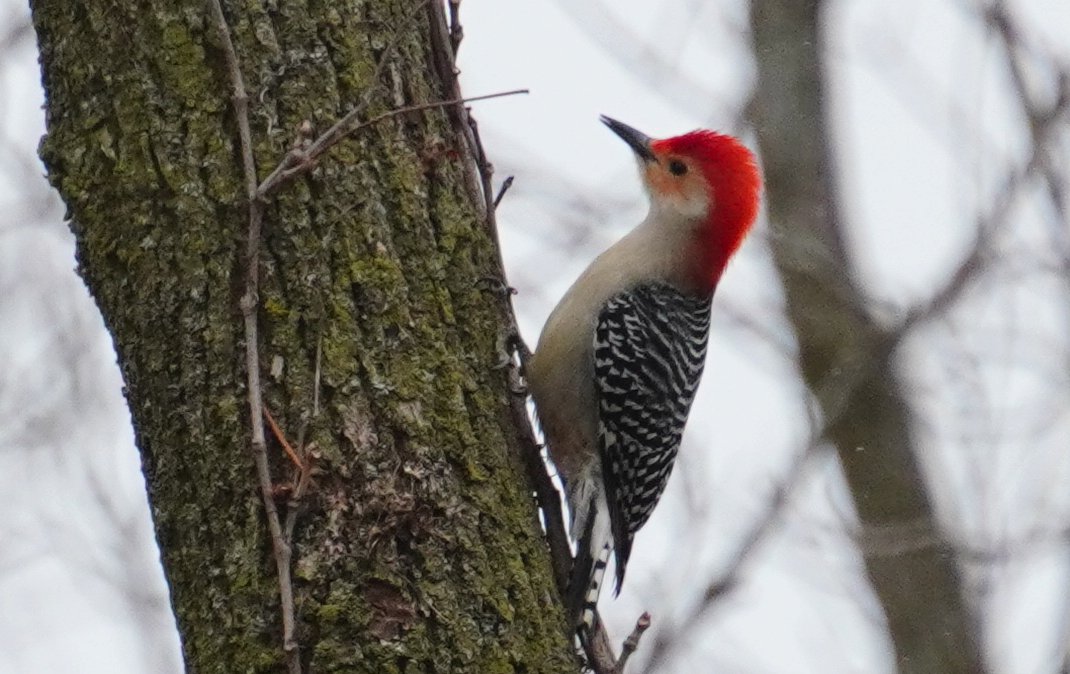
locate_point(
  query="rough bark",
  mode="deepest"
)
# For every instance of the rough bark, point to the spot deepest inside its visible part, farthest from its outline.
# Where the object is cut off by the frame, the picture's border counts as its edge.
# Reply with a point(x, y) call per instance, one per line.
point(845, 357)
point(418, 547)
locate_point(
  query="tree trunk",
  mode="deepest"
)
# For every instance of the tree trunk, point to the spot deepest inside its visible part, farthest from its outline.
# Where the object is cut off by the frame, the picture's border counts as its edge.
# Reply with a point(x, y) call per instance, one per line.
point(417, 547)
point(845, 356)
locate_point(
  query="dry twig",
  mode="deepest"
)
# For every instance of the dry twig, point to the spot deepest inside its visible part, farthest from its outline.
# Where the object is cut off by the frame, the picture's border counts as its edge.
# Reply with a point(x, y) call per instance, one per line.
point(481, 185)
point(632, 642)
point(456, 30)
point(506, 184)
point(299, 160)
point(249, 303)
point(1042, 117)
point(298, 154)
point(598, 650)
point(728, 580)
point(546, 494)
point(282, 439)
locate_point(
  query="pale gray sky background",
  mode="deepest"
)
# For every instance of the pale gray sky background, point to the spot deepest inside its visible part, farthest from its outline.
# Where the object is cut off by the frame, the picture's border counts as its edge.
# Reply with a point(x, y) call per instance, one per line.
point(926, 125)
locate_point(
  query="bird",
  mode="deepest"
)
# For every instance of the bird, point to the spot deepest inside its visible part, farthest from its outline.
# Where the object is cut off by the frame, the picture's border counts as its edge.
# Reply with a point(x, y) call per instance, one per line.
point(619, 360)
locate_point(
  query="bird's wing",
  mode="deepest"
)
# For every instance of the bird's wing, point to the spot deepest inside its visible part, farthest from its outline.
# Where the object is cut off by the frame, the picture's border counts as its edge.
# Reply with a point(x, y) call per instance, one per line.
point(649, 351)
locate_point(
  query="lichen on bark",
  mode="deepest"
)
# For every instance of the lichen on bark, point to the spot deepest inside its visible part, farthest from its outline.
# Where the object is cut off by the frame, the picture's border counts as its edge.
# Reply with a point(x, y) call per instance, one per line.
point(418, 548)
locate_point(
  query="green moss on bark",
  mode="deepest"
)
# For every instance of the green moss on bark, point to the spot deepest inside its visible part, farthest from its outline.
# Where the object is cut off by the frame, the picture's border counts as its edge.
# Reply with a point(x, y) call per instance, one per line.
point(418, 548)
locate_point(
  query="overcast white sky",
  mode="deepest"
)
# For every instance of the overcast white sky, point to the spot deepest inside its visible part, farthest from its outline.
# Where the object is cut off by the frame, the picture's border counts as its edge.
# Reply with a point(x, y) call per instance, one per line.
point(924, 128)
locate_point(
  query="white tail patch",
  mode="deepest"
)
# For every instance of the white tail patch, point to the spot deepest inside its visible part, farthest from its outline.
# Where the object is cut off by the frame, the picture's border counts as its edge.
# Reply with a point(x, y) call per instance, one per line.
point(594, 589)
point(591, 529)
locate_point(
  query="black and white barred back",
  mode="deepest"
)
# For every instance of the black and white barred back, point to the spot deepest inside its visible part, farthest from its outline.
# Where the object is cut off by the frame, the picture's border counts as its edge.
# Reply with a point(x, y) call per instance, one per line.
point(649, 352)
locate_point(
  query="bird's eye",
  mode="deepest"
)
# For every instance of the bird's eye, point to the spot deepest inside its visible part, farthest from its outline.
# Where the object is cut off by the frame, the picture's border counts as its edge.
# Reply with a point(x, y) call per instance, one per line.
point(677, 167)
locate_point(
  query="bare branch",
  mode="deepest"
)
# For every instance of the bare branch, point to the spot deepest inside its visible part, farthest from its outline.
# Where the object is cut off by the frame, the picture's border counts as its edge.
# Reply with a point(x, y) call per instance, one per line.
point(456, 30)
point(722, 585)
point(506, 184)
point(300, 161)
point(989, 223)
point(1042, 118)
point(249, 304)
point(18, 32)
point(632, 642)
point(546, 494)
point(598, 649)
point(295, 157)
point(603, 27)
point(282, 439)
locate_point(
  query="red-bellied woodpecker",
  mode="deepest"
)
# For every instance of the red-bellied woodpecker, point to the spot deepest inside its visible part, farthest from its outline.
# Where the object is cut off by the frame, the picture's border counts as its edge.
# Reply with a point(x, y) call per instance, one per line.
point(621, 355)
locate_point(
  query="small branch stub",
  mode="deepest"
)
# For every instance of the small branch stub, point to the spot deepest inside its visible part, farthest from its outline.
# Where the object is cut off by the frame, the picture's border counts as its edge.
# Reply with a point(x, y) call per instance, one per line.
point(632, 642)
point(506, 184)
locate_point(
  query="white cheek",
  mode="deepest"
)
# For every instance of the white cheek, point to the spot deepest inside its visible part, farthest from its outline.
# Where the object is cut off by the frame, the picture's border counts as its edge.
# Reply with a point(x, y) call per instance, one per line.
point(685, 206)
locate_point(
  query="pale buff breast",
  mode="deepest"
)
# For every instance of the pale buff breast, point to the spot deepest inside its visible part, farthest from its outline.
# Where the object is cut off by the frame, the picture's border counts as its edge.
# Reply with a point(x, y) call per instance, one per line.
point(561, 372)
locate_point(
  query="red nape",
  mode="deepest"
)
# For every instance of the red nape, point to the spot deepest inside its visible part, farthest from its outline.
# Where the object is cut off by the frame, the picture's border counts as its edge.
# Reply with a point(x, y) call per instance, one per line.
point(735, 185)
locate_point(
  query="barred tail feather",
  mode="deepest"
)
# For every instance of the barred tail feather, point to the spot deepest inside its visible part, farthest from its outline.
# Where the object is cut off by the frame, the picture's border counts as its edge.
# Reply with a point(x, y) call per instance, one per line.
point(594, 588)
point(592, 556)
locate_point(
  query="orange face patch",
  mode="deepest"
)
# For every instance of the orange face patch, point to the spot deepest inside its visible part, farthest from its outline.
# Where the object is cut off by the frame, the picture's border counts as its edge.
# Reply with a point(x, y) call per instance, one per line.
point(662, 182)
point(678, 181)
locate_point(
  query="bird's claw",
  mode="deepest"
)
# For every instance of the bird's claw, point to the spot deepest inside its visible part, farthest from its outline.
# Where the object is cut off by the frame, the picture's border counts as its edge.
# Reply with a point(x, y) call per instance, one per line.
point(496, 285)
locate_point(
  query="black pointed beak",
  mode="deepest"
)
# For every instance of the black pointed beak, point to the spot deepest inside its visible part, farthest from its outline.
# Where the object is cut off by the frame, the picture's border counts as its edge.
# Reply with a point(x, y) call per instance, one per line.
point(638, 141)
